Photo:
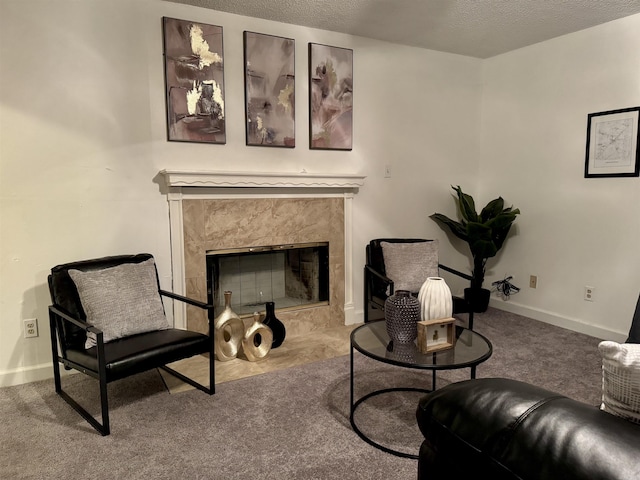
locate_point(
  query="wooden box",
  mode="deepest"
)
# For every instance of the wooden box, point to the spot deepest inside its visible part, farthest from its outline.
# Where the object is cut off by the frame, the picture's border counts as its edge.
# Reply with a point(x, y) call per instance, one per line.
point(435, 335)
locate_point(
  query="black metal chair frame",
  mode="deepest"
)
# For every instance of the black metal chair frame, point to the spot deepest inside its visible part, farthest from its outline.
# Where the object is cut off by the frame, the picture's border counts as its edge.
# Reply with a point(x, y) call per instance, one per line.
point(60, 321)
point(373, 274)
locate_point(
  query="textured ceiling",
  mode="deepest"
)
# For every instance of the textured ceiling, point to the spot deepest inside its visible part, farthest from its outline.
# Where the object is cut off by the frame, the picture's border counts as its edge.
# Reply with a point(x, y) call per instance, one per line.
point(476, 28)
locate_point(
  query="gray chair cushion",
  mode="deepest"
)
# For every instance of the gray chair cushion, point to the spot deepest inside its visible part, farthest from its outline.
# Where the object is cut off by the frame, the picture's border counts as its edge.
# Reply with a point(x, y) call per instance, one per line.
point(409, 264)
point(121, 301)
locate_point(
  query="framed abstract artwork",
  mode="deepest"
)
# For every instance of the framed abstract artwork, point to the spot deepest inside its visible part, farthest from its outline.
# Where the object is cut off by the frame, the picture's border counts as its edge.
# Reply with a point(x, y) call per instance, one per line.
point(612, 144)
point(269, 76)
point(194, 81)
point(330, 97)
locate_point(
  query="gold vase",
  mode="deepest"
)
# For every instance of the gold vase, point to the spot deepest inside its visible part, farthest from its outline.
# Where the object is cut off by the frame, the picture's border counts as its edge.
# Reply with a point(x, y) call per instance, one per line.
point(228, 332)
point(257, 340)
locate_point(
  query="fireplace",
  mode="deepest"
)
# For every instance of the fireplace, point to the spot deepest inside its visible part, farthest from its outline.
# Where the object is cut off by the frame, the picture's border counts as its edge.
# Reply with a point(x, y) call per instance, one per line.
point(223, 211)
point(292, 276)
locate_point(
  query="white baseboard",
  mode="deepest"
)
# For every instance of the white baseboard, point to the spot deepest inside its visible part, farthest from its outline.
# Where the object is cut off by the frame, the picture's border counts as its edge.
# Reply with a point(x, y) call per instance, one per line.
point(45, 371)
point(351, 316)
point(19, 376)
point(573, 324)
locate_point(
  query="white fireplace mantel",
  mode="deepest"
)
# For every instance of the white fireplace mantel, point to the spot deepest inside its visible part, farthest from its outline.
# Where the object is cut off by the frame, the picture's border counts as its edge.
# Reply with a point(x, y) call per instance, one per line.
point(194, 178)
point(195, 183)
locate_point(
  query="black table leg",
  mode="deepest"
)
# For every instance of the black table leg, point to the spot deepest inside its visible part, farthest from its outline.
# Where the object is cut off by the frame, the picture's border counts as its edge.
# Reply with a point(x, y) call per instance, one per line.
point(356, 404)
point(351, 382)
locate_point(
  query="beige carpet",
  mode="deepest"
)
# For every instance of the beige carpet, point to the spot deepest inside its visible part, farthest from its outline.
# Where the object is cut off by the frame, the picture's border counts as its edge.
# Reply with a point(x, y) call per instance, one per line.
point(290, 424)
point(294, 351)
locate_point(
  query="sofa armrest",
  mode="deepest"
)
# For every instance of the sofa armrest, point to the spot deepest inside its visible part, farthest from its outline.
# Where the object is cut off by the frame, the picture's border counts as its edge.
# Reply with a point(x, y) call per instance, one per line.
point(182, 298)
point(57, 317)
point(386, 281)
point(455, 272)
point(378, 275)
point(504, 428)
point(64, 316)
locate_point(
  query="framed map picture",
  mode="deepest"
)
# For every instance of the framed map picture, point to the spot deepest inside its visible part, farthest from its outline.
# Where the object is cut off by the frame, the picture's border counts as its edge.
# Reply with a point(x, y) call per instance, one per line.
point(269, 80)
point(194, 81)
point(612, 144)
point(330, 97)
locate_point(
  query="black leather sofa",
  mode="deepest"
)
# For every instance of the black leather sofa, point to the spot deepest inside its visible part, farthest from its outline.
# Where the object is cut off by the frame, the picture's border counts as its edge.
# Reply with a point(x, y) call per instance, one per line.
point(506, 429)
point(500, 428)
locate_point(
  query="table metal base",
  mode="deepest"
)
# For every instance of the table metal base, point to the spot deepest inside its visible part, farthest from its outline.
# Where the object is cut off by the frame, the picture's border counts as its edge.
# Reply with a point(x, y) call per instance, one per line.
point(361, 434)
point(356, 404)
point(371, 340)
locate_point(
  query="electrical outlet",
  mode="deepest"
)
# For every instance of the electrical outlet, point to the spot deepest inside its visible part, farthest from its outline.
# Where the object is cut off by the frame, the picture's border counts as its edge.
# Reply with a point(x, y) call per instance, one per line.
point(589, 293)
point(387, 171)
point(533, 281)
point(30, 328)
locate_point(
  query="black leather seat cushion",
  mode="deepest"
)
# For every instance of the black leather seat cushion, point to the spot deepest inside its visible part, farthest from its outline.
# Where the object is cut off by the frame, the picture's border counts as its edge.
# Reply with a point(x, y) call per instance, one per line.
point(502, 428)
point(138, 353)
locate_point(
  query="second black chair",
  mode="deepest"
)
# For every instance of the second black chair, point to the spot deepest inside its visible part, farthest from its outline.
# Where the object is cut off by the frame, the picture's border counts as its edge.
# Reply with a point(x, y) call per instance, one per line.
point(378, 285)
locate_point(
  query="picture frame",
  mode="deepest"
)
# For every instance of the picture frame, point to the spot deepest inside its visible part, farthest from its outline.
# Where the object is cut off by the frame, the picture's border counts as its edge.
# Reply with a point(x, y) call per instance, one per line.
point(330, 97)
point(436, 334)
point(269, 79)
point(194, 81)
point(613, 138)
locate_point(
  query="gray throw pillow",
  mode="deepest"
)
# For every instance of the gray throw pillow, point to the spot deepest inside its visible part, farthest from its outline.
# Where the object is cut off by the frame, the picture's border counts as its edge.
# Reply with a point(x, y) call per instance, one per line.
point(409, 264)
point(121, 300)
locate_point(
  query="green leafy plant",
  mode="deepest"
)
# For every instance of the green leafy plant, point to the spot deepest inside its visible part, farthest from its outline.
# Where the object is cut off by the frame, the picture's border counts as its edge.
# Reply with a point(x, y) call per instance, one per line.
point(485, 232)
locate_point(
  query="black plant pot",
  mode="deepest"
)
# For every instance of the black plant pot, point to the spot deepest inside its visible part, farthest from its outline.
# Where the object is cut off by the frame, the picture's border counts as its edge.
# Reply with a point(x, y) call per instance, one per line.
point(477, 299)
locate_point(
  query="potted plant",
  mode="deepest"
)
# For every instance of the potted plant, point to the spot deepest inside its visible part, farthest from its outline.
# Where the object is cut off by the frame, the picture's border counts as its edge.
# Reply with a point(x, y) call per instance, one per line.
point(485, 233)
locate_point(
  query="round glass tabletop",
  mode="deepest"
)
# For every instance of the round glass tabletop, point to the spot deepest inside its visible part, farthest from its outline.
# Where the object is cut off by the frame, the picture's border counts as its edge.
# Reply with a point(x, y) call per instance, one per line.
point(470, 349)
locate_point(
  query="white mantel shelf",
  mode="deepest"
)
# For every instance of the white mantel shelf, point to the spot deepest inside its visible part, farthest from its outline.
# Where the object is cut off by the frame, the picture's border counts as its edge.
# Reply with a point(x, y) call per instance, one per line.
point(213, 179)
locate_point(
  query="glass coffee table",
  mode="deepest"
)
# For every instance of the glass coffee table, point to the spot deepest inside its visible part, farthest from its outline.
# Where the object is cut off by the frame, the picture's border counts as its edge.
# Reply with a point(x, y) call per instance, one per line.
point(371, 339)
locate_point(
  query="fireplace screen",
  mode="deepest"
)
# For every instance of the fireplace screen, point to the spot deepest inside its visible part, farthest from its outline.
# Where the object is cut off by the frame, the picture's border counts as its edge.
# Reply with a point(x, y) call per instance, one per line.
point(291, 276)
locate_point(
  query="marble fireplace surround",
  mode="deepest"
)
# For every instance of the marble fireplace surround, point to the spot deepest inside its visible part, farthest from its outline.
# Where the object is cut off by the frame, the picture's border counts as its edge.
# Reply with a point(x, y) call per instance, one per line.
point(214, 210)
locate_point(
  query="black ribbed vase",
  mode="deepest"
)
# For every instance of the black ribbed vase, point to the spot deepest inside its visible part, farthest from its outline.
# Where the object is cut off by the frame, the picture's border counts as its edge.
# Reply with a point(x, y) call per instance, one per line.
point(276, 326)
point(401, 314)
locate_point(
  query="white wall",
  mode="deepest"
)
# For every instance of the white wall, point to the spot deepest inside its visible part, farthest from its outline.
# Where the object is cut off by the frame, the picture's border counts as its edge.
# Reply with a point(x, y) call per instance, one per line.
point(573, 231)
point(82, 138)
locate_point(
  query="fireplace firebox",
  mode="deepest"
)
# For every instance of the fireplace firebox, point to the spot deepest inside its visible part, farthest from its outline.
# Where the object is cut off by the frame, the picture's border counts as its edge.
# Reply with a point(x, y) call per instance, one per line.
point(292, 276)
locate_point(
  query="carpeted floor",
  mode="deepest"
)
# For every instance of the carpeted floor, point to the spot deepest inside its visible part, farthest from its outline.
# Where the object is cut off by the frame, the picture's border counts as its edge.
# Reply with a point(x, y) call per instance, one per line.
point(290, 424)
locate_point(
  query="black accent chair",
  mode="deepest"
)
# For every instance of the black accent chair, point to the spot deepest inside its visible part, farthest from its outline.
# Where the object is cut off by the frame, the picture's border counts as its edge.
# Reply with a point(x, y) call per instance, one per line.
point(122, 357)
point(378, 287)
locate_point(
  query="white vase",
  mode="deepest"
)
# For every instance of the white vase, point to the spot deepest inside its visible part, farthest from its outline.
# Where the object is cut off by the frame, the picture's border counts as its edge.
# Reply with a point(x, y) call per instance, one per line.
point(435, 299)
